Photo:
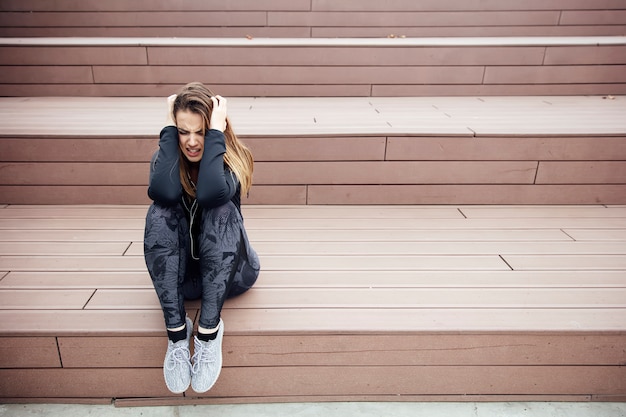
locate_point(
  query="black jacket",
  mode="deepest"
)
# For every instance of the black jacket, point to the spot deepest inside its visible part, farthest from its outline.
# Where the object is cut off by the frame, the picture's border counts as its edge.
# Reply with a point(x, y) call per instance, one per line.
point(216, 183)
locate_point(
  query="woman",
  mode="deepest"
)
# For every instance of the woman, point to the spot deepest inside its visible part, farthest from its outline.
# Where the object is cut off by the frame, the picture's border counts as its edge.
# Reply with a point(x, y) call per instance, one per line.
point(195, 243)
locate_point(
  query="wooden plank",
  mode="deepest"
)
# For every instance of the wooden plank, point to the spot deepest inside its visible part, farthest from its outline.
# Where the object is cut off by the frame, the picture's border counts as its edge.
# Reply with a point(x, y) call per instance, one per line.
point(85, 55)
point(587, 262)
point(440, 279)
point(83, 383)
point(76, 173)
point(466, 194)
point(350, 212)
point(422, 380)
point(543, 212)
point(430, 248)
point(31, 352)
point(339, 223)
point(75, 280)
point(373, 248)
point(112, 352)
point(305, 5)
point(156, 5)
point(346, 381)
point(347, 235)
point(389, 298)
point(238, 42)
point(455, 31)
point(449, 5)
point(597, 234)
point(63, 248)
point(293, 173)
point(338, 350)
point(70, 263)
point(445, 172)
point(571, 74)
point(578, 172)
point(498, 148)
point(336, 279)
point(276, 194)
point(58, 215)
point(585, 55)
point(349, 56)
point(387, 18)
point(318, 321)
point(156, 31)
point(133, 194)
point(302, 321)
point(377, 399)
point(381, 263)
point(509, 90)
point(317, 148)
point(44, 299)
point(46, 74)
point(274, 262)
point(228, 90)
point(78, 194)
point(129, 299)
point(139, 18)
point(84, 323)
point(73, 224)
point(287, 75)
point(411, 349)
point(83, 149)
point(384, 298)
point(594, 17)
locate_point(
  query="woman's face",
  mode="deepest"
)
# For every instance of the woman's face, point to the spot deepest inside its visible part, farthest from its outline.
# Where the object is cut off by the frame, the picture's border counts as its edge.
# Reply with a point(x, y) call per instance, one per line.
point(190, 134)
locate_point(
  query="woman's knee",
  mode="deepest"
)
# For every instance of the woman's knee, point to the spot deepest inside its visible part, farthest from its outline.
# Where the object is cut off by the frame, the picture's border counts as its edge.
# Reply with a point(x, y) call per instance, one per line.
point(224, 214)
point(163, 224)
point(169, 216)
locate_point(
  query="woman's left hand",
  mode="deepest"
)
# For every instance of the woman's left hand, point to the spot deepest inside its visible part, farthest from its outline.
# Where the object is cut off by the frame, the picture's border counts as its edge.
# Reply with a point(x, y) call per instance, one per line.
point(218, 115)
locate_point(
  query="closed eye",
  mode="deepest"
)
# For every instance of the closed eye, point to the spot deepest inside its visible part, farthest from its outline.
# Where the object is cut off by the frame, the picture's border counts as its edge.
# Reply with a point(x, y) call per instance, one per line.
point(185, 132)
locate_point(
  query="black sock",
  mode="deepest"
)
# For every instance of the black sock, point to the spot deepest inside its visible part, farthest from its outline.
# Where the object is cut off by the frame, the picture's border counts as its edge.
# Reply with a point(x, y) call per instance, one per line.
point(205, 337)
point(177, 335)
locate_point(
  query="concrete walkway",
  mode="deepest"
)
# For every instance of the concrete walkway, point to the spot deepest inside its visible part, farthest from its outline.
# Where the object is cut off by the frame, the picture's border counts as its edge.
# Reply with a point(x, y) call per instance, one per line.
point(521, 409)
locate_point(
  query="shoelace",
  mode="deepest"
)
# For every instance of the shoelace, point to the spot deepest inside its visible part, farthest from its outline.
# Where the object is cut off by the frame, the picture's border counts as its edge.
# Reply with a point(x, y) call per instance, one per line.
point(178, 355)
point(204, 354)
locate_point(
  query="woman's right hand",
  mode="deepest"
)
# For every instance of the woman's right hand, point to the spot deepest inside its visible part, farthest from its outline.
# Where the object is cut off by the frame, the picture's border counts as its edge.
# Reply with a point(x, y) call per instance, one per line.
point(170, 110)
point(218, 114)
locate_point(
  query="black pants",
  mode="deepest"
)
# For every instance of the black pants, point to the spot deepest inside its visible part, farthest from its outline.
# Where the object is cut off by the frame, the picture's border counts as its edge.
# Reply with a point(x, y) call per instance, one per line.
point(227, 264)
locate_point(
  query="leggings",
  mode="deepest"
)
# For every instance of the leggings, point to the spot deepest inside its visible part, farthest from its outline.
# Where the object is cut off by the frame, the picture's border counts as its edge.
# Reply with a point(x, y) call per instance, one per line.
point(227, 265)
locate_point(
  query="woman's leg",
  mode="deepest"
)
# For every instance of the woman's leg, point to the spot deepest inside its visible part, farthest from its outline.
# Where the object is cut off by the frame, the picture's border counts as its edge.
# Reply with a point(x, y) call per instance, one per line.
point(224, 265)
point(165, 251)
point(221, 245)
point(247, 270)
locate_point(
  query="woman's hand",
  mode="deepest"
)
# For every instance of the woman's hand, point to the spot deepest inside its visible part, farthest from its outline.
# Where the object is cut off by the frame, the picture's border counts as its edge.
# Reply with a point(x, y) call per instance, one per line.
point(218, 115)
point(170, 111)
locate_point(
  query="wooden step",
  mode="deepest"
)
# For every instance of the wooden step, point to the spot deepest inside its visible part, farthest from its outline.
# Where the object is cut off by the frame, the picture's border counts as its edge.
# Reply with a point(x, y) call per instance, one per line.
point(413, 302)
point(297, 67)
point(435, 150)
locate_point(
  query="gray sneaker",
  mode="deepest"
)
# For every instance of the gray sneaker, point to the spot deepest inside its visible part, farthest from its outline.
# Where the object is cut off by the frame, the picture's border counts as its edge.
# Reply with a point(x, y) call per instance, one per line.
point(176, 366)
point(207, 361)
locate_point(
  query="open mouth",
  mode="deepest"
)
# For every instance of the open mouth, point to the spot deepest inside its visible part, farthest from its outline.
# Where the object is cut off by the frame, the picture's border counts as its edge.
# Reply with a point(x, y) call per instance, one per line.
point(192, 153)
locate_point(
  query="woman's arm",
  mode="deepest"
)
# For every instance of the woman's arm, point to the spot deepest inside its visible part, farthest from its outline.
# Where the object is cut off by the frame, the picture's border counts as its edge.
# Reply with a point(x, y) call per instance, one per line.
point(216, 183)
point(164, 186)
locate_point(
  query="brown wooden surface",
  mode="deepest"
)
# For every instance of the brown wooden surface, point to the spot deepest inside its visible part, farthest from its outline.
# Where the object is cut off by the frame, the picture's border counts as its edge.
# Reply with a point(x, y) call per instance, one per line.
point(313, 18)
point(436, 150)
point(425, 301)
point(293, 67)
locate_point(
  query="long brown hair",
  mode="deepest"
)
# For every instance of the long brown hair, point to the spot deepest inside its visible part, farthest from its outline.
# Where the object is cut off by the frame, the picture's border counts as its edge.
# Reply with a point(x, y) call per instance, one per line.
point(195, 97)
